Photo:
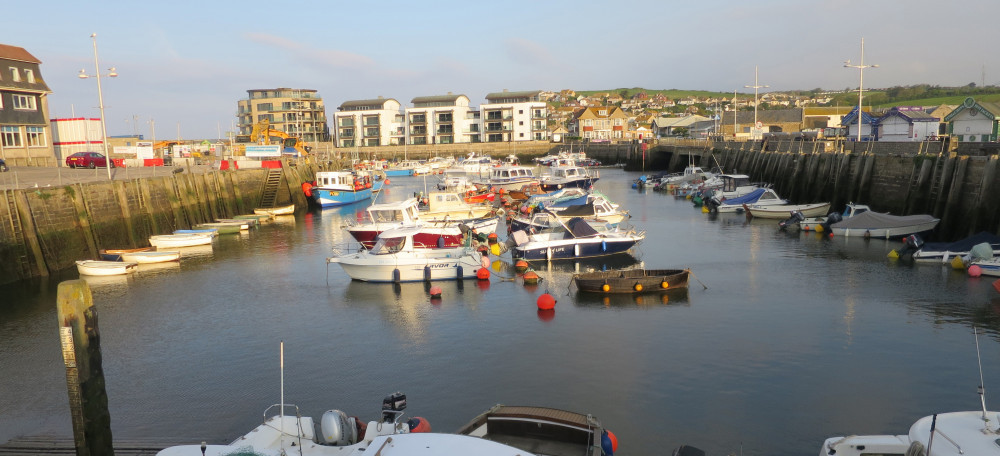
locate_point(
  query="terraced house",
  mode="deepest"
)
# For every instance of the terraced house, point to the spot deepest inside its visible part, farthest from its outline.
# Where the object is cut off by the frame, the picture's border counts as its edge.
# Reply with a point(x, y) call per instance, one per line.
point(25, 137)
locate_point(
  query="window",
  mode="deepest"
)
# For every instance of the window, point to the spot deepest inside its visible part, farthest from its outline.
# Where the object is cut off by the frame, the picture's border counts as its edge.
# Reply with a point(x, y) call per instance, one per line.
point(30, 76)
point(14, 75)
point(24, 102)
point(11, 136)
point(36, 136)
point(520, 122)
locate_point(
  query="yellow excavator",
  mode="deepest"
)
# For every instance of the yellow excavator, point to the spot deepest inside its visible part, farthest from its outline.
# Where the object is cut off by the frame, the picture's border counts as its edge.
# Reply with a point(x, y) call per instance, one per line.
point(262, 133)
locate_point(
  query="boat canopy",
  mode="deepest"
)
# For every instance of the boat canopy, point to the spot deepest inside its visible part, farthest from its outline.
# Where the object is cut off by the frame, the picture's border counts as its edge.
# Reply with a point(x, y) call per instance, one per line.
point(579, 228)
point(749, 198)
point(878, 220)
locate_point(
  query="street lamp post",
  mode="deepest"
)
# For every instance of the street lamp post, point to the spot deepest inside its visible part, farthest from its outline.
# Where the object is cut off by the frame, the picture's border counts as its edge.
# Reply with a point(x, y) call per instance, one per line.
point(100, 97)
point(861, 81)
point(755, 86)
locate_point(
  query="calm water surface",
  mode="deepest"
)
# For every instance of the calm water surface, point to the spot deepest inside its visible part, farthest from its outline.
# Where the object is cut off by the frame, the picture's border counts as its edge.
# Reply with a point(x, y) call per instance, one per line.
point(795, 339)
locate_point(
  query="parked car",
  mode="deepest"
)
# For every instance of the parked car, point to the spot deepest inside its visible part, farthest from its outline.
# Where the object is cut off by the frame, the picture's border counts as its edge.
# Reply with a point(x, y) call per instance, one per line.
point(88, 160)
point(3, 166)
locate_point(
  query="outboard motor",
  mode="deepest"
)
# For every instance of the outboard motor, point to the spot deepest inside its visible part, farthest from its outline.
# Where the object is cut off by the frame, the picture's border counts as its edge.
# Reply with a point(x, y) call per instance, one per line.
point(795, 219)
point(338, 429)
point(393, 406)
point(911, 244)
point(831, 218)
point(711, 201)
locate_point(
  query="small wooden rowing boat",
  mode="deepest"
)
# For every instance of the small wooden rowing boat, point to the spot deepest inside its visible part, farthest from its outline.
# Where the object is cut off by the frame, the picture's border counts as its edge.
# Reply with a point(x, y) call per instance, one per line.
point(151, 256)
point(104, 268)
point(632, 280)
point(217, 228)
point(180, 240)
point(280, 210)
point(116, 254)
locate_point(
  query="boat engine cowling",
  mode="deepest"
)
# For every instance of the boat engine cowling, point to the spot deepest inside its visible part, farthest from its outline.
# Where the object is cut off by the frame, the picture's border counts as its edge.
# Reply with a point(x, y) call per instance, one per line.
point(338, 429)
point(831, 218)
point(911, 244)
point(796, 218)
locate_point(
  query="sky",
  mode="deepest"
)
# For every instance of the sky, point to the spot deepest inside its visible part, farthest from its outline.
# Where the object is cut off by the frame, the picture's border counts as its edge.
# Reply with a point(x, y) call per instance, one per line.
point(183, 65)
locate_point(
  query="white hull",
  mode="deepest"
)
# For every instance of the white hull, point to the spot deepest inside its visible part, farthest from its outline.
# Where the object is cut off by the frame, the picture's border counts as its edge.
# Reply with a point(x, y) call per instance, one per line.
point(885, 233)
point(179, 240)
point(989, 267)
point(151, 257)
point(785, 210)
point(442, 264)
point(104, 268)
point(283, 210)
point(955, 434)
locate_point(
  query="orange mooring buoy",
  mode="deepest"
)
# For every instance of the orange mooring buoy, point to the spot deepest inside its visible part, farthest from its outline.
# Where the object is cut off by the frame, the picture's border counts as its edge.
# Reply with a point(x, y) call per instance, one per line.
point(435, 292)
point(530, 277)
point(546, 302)
point(483, 274)
point(520, 266)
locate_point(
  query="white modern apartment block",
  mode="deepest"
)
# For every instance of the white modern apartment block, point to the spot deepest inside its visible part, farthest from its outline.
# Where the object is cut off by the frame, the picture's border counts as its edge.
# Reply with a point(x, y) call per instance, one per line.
point(514, 116)
point(442, 119)
point(377, 122)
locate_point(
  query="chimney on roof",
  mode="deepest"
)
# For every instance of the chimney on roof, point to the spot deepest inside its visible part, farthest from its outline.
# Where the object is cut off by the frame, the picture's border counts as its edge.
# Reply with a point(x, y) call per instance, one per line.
point(380, 97)
point(449, 93)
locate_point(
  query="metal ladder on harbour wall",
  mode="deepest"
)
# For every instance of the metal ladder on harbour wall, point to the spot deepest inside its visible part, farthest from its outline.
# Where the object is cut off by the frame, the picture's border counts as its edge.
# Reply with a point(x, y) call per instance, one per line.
point(19, 244)
point(271, 184)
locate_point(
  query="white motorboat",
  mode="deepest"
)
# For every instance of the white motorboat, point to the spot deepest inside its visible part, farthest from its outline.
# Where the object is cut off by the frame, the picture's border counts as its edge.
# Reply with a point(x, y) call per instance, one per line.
point(105, 268)
point(954, 434)
point(395, 258)
point(507, 178)
point(405, 214)
point(180, 240)
point(151, 256)
point(877, 225)
point(761, 196)
point(575, 240)
point(821, 224)
point(500, 431)
point(450, 206)
point(784, 211)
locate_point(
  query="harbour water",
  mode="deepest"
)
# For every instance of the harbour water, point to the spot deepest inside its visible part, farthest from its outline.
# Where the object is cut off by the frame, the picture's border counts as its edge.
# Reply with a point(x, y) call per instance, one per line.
point(797, 337)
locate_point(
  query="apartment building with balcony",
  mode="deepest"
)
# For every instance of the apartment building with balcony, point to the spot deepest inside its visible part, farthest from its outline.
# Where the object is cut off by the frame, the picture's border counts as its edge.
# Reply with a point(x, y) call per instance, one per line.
point(375, 122)
point(442, 119)
point(514, 116)
point(297, 112)
point(25, 135)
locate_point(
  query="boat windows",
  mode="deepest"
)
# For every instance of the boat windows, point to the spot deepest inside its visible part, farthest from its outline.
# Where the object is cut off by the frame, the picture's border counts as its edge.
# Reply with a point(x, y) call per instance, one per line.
point(388, 246)
point(382, 216)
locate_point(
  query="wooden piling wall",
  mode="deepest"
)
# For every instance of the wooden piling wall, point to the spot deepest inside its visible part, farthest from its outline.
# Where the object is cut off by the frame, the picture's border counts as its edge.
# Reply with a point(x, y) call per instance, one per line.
point(959, 187)
point(48, 229)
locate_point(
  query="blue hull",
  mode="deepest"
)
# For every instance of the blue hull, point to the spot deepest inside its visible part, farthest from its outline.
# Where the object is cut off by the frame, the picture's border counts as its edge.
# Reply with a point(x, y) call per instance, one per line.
point(333, 198)
point(575, 251)
point(398, 172)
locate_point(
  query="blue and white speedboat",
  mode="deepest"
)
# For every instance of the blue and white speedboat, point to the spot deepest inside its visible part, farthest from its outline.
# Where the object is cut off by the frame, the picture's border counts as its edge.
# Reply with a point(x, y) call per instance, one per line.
point(339, 188)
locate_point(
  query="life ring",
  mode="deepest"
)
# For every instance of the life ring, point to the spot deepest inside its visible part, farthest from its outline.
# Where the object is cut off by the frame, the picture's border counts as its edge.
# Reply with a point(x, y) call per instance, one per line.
point(307, 189)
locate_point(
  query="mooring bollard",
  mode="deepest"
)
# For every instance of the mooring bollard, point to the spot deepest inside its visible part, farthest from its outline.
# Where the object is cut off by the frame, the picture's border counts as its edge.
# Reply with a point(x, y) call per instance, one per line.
point(81, 348)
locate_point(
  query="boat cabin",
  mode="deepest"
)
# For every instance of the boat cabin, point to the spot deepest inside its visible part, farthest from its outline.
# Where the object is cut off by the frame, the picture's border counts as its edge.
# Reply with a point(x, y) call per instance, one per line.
point(732, 182)
point(337, 180)
point(569, 172)
point(396, 212)
point(440, 201)
point(510, 174)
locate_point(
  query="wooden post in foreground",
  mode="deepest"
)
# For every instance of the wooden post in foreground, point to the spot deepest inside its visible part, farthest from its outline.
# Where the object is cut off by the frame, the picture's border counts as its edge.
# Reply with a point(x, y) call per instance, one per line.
point(81, 349)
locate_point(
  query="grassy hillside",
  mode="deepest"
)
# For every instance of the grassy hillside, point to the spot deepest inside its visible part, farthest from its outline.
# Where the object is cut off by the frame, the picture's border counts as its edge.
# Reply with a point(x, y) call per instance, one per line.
point(669, 93)
point(956, 100)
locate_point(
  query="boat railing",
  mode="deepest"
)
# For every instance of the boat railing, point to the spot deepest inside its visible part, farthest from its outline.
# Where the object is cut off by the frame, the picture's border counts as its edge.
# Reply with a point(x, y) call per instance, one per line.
point(299, 431)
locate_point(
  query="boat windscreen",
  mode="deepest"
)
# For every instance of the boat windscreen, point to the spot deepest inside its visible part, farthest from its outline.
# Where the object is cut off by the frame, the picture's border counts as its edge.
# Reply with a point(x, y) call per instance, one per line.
point(387, 246)
point(580, 228)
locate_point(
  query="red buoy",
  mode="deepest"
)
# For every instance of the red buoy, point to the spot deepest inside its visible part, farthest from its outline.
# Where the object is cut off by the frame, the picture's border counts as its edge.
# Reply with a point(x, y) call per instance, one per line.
point(435, 292)
point(975, 271)
point(483, 274)
point(546, 302)
point(387, 181)
point(418, 424)
point(521, 266)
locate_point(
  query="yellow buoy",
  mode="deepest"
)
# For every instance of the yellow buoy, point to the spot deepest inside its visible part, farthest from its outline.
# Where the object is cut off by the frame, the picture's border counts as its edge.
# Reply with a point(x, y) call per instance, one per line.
point(664, 284)
point(704, 209)
point(819, 228)
point(957, 262)
point(606, 287)
point(637, 287)
point(892, 254)
point(495, 249)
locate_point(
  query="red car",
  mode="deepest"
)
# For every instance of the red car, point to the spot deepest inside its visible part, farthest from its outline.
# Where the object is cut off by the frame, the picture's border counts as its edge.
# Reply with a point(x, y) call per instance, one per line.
point(88, 160)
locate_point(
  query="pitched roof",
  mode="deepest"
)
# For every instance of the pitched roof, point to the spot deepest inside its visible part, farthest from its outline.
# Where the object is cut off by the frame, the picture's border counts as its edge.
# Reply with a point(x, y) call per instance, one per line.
point(16, 53)
point(910, 113)
point(593, 112)
point(992, 110)
point(666, 122)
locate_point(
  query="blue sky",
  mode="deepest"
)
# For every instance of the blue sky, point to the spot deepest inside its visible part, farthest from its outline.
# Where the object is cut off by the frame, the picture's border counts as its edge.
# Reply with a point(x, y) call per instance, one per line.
point(185, 64)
